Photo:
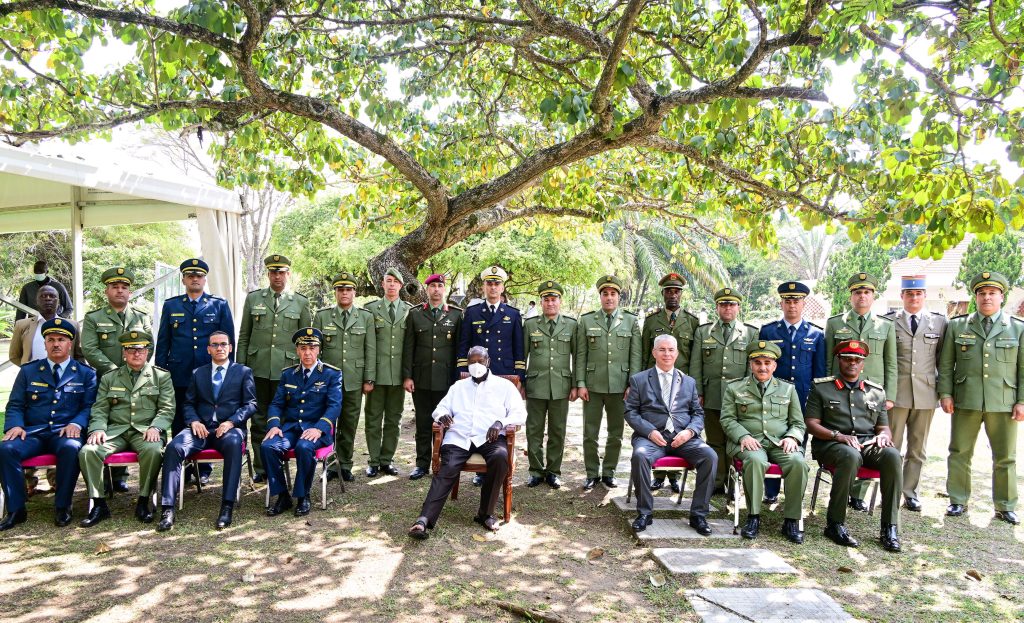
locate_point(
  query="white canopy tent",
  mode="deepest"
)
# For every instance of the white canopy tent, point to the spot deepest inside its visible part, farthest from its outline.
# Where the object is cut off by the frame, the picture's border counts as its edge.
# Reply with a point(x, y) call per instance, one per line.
point(40, 193)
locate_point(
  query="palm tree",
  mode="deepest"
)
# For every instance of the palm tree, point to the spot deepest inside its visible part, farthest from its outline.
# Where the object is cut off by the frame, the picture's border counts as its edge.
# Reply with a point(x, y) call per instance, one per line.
point(805, 253)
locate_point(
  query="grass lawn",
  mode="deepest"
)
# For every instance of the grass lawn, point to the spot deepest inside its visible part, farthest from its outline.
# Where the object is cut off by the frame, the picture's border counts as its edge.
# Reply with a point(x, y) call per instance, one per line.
point(354, 562)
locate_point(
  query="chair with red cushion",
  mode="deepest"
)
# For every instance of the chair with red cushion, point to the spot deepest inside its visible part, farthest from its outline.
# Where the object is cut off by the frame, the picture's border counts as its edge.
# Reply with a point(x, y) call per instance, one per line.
point(863, 473)
point(124, 458)
point(666, 464)
point(209, 455)
point(324, 458)
point(42, 461)
point(735, 479)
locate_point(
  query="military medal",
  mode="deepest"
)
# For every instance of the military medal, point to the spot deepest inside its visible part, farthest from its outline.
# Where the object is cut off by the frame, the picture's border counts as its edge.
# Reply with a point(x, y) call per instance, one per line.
point(113, 401)
point(103, 336)
point(35, 396)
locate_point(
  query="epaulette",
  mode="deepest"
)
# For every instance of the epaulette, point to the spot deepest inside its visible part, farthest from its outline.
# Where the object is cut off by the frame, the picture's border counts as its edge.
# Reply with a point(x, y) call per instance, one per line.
point(214, 296)
point(752, 326)
point(786, 381)
point(474, 305)
point(156, 367)
point(589, 313)
point(295, 367)
point(815, 325)
point(328, 308)
point(885, 318)
point(300, 296)
point(626, 311)
point(825, 379)
point(1012, 317)
point(938, 314)
point(960, 316)
point(450, 306)
point(706, 324)
point(888, 316)
point(692, 315)
point(657, 310)
point(837, 316)
point(252, 291)
point(566, 317)
point(84, 364)
point(874, 384)
point(327, 365)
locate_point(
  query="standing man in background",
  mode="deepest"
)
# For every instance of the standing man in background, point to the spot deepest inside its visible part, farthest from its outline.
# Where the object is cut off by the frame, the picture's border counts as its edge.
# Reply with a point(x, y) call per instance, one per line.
point(269, 319)
point(40, 278)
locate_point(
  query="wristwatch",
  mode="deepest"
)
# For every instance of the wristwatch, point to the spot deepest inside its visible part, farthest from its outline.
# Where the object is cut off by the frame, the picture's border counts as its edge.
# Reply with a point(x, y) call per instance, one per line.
point(835, 434)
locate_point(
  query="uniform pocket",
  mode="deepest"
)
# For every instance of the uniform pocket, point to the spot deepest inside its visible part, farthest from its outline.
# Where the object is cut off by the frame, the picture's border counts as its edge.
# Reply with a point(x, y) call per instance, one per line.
point(564, 344)
point(965, 347)
point(709, 351)
point(1006, 350)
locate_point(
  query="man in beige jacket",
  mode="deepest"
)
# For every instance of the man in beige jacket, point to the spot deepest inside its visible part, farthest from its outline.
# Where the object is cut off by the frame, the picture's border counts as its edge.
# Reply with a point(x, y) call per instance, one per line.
point(27, 341)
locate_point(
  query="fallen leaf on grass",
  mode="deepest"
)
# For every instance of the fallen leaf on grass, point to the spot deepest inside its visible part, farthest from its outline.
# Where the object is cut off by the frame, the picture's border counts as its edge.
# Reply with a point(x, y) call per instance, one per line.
point(102, 548)
point(248, 577)
point(844, 570)
point(971, 573)
point(479, 537)
point(657, 580)
point(595, 553)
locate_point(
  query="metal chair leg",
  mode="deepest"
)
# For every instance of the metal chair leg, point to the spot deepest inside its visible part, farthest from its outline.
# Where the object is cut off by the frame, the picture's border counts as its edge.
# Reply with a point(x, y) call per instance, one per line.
point(629, 485)
point(682, 486)
point(323, 484)
point(874, 496)
point(814, 492)
point(181, 485)
point(736, 481)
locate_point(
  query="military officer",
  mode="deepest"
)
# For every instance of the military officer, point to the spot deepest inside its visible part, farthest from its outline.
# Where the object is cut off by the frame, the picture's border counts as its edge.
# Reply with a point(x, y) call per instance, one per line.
point(878, 332)
point(847, 418)
point(428, 362)
point(46, 413)
point(669, 320)
point(607, 355)
point(981, 381)
point(802, 344)
point(549, 342)
point(301, 418)
point(102, 329)
point(269, 318)
point(719, 355)
point(385, 403)
point(134, 408)
point(763, 424)
point(918, 343)
point(349, 344)
point(186, 323)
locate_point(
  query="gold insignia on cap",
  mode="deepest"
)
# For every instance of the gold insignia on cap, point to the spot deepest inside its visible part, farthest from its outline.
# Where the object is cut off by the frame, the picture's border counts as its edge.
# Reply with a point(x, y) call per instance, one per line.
point(728, 290)
point(195, 262)
point(550, 284)
point(134, 334)
point(792, 286)
point(120, 271)
point(277, 258)
point(494, 269)
point(862, 276)
point(854, 344)
point(57, 321)
point(309, 331)
point(760, 344)
point(985, 275)
point(607, 278)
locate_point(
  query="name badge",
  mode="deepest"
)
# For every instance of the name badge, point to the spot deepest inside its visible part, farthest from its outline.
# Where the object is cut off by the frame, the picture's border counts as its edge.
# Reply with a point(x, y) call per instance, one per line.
point(289, 386)
point(181, 314)
point(38, 384)
point(931, 335)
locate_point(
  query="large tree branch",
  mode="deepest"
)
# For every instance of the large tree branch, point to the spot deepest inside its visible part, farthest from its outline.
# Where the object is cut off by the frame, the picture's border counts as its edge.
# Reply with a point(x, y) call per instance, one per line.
point(599, 102)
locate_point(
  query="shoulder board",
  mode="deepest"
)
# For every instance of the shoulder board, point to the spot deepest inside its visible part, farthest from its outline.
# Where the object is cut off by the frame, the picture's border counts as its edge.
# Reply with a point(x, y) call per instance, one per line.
point(694, 316)
point(569, 318)
point(300, 296)
point(825, 379)
point(214, 297)
point(755, 328)
point(885, 318)
point(95, 311)
point(474, 305)
point(938, 314)
point(960, 316)
point(515, 309)
point(295, 367)
point(83, 363)
point(815, 326)
point(364, 310)
point(589, 313)
point(626, 311)
point(156, 367)
point(1012, 317)
point(373, 303)
point(326, 309)
point(738, 381)
point(889, 316)
point(657, 310)
point(456, 307)
point(256, 291)
point(327, 365)
point(837, 316)
point(706, 324)
point(787, 382)
point(873, 384)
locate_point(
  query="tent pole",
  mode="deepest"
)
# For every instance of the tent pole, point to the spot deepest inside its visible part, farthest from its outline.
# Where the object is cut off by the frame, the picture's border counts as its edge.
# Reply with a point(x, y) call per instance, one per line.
point(76, 252)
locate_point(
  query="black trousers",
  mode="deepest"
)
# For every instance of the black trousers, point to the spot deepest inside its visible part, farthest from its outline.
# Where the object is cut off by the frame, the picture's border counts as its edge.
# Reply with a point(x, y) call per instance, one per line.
point(425, 401)
point(453, 458)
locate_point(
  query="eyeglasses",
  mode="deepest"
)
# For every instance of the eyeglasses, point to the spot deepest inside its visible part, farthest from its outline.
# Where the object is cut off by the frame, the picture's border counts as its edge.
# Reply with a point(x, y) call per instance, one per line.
point(219, 344)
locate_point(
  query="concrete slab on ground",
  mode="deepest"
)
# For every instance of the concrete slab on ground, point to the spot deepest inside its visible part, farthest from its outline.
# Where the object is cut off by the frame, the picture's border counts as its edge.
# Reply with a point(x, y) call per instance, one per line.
point(710, 560)
point(661, 503)
point(667, 529)
point(765, 605)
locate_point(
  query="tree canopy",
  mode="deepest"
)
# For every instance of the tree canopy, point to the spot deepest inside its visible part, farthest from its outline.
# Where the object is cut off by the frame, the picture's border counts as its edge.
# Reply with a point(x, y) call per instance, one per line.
point(1001, 254)
point(864, 256)
point(457, 116)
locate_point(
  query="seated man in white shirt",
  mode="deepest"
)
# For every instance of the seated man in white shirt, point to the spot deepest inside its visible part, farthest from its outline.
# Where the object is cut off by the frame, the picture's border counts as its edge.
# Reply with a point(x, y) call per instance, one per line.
point(476, 411)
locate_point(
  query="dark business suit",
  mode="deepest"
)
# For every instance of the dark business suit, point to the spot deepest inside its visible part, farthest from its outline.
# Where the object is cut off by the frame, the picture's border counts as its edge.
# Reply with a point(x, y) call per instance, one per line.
point(647, 412)
point(235, 403)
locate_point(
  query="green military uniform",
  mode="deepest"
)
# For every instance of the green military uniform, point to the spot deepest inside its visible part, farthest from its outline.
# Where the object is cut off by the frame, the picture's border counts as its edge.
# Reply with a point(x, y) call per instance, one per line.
point(983, 372)
point(265, 344)
point(548, 346)
point(385, 403)
point(680, 324)
point(350, 344)
point(607, 354)
point(768, 415)
point(124, 410)
point(717, 357)
point(854, 409)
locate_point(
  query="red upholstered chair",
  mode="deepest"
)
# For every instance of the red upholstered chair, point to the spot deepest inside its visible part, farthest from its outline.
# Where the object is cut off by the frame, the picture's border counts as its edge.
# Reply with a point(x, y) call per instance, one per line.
point(862, 474)
point(323, 457)
point(123, 458)
point(42, 460)
point(477, 465)
point(209, 456)
point(666, 464)
point(736, 484)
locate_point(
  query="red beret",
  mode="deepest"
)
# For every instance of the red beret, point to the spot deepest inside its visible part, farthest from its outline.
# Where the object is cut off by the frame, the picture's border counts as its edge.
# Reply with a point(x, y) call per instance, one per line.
point(856, 348)
point(435, 277)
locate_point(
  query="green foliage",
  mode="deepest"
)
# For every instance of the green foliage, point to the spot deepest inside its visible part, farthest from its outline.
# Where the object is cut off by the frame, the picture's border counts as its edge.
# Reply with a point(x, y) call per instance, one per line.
point(865, 256)
point(1000, 254)
point(754, 276)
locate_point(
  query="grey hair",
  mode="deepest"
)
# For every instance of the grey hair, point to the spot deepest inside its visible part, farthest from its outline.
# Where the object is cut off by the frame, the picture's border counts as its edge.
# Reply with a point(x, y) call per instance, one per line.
point(665, 337)
point(479, 350)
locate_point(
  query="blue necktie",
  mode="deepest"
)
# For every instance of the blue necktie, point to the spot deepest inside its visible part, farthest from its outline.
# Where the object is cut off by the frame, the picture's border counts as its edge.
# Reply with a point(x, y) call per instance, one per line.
point(792, 333)
point(218, 378)
point(305, 374)
point(56, 374)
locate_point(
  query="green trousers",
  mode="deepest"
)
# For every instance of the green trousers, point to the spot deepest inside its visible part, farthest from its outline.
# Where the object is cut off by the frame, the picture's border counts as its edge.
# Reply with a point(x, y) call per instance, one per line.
point(348, 422)
point(551, 415)
point(715, 436)
point(614, 405)
point(151, 453)
point(383, 415)
point(912, 425)
point(847, 461)
point(1001, 430)
point(265, 390)
point(794, 478)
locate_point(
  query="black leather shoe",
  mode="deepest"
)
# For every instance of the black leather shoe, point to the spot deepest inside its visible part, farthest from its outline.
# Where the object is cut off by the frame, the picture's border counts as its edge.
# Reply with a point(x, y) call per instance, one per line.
point(955, 510)
point(99, 512)
point(858, 504)
point(838, 534)
point(912, 505)
point(478, 480)
point(13, 519)
point(1009, 517)
point(224, 519)
point(769, 501)
point(673, 484)
point(62, 517)
point(372, 471)
point(302, 507)
point(534, 481)
point(700, 524)
point(657, 483)
point(554, 481)
point(346, 475)
point(791, 530)
point(142, 510)
point(281, 504)
point(609, 482)
point(417, 473)
point(332, 476)
point(204, 479)
point(753, 526)
point(166, 520)
point(590, 483)
point(889, 538)
point(390, 470)
point(259, 478)
point(642, 521)
point(120, 486)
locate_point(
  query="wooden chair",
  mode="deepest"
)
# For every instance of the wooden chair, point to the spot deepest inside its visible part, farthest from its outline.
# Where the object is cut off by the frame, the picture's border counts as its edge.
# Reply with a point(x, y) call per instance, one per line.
point(477, 465)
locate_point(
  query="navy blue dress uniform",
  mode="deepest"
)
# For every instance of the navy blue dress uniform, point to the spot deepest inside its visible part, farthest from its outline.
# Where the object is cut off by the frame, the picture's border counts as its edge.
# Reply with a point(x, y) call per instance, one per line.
point(42, 405)
point(185, 328)
point(499, 331)
point(305, 399)
point(803, 349)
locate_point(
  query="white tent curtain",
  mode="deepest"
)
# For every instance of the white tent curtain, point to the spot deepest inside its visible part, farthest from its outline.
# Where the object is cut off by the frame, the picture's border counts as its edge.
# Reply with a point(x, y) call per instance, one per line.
point(220, 238)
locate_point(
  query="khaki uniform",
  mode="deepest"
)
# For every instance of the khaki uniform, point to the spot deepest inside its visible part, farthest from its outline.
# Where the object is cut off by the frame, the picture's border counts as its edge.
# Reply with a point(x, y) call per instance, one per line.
point(124, 411)
point(385, 403)
point(984, 374)
point(683, 328)
point(101, 330)
point(768, 418)
point(549, 379)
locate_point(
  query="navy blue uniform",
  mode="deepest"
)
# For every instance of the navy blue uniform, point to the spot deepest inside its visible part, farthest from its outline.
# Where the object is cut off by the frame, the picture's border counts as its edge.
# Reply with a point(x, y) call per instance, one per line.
point(42, 410)
point(803, 355)
point(501, 333)
point(297, 406)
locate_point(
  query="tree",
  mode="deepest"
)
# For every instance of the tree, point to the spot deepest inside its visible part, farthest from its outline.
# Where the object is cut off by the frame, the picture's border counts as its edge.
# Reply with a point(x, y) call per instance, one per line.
point(708, 114)
point(866, 256)
point(998, 254)
point(805, 254)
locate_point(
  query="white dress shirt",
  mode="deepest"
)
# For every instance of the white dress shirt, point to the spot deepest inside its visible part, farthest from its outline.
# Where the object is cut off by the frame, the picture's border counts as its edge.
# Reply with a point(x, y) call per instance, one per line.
point(38, 344)
point(475, 407)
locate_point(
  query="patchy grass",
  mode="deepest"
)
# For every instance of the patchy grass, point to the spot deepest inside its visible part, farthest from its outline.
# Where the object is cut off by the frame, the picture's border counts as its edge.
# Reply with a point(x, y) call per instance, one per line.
point(353, 562)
